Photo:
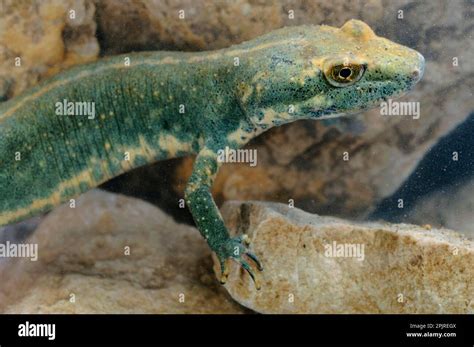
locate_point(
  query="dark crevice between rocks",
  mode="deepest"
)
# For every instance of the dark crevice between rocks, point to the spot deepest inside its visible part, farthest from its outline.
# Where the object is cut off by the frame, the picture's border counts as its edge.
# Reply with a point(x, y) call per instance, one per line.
point(152, 183)
point(19, 232)
point(244, 218)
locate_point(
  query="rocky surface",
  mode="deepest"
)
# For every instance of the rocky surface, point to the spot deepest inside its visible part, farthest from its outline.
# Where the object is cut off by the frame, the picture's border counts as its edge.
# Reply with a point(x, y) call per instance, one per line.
point(452, 207)
point(401, 269)
point(114, 254)
point(207, 24)
point(47, 37)
point(83, 266)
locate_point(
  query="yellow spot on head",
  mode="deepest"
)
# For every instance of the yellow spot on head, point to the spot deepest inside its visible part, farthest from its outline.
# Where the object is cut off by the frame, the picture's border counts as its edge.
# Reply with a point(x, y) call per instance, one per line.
point(320, 101)
point(318, 63)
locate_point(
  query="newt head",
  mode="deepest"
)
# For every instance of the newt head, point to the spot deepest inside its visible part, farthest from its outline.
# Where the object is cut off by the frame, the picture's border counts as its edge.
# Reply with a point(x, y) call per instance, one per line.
point(324, 72)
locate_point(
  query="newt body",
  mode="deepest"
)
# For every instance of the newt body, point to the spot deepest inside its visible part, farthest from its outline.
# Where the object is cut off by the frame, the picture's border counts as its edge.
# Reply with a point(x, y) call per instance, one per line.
point(160, 105)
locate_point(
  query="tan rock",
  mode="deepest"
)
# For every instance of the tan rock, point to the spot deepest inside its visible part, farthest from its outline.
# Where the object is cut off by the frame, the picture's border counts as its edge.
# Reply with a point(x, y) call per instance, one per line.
point(47, 37)
point(82, 256)
point(208, 24)
point(402, 268)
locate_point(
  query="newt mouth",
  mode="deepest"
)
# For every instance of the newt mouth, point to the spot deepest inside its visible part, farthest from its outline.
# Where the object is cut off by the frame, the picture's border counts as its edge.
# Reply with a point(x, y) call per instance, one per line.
point(324, 113)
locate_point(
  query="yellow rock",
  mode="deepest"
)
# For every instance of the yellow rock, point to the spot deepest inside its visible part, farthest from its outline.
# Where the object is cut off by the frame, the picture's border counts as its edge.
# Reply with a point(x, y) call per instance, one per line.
point(47, 37)
point(317, 264)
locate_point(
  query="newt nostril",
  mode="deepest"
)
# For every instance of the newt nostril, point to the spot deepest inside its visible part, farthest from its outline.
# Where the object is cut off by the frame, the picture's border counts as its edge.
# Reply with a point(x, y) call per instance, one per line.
point(417, 72)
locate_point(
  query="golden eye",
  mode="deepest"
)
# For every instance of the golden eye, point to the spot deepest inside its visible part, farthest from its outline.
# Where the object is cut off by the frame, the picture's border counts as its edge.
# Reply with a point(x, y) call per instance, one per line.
point(342, 75)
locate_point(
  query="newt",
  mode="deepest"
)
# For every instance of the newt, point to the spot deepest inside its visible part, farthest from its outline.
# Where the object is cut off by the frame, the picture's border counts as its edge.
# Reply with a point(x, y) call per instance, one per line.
point(94, 122)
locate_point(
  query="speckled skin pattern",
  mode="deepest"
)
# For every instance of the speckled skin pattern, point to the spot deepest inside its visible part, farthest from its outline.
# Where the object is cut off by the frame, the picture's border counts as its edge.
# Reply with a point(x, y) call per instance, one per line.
point(168, 104)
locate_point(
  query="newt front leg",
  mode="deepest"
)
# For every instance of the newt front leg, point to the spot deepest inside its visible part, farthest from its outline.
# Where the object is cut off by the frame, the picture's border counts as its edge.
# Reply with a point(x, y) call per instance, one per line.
point(209, 220)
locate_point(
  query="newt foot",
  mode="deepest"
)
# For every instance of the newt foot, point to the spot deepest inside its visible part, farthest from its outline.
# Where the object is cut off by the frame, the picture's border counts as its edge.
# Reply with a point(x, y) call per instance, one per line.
point(235, 249)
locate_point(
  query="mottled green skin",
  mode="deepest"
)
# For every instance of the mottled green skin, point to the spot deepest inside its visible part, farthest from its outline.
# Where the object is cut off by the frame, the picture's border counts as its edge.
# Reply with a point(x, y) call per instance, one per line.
point(226, 105)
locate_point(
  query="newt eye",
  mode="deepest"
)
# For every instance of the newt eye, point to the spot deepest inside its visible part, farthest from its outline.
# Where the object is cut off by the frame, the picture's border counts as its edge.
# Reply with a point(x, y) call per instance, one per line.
point(343, 75)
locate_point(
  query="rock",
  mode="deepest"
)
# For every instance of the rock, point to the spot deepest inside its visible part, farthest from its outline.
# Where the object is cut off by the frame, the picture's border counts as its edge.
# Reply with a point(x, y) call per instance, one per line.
point(48, 38)
point(82, 256)
point(451, 207)
point(207, 24)
point(400, 269)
